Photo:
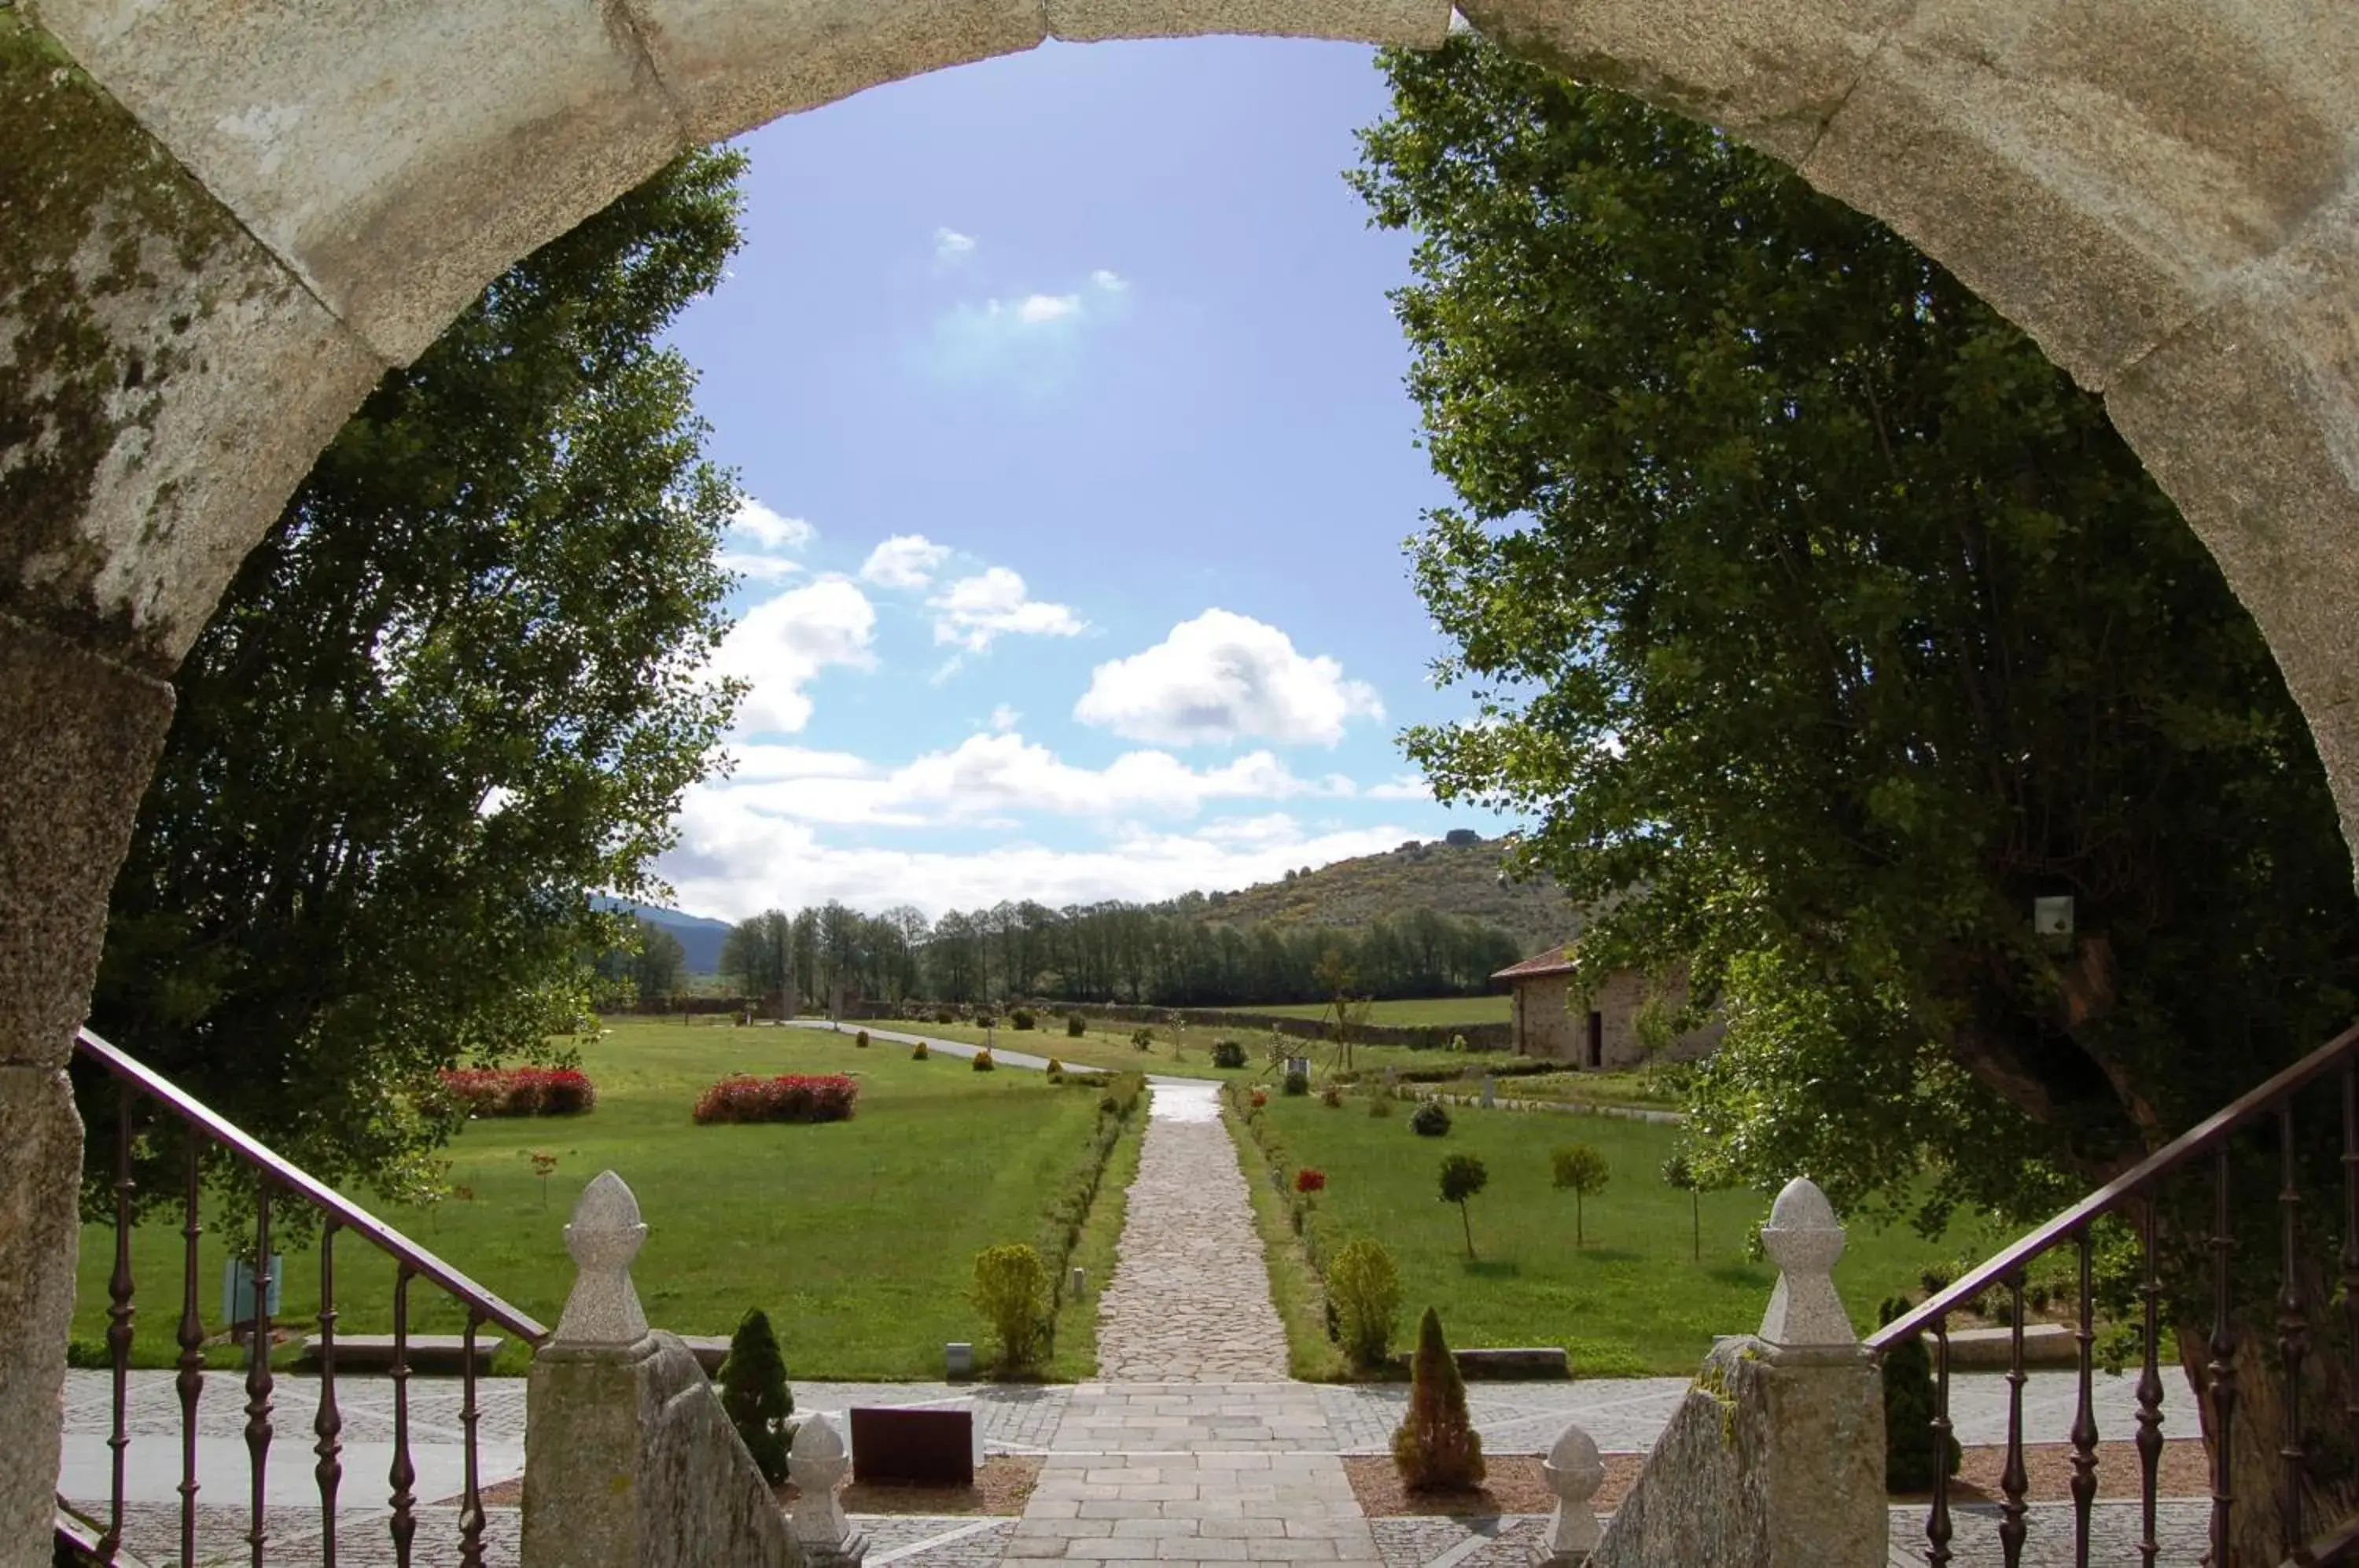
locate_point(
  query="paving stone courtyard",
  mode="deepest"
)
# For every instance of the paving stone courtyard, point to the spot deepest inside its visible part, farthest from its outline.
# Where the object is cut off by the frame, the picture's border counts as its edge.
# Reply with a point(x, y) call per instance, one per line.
point(1196, 1448)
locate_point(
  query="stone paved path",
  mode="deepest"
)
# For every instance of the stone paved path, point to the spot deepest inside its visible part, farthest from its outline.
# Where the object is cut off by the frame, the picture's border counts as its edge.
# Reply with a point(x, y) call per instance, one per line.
point(1190, 1298)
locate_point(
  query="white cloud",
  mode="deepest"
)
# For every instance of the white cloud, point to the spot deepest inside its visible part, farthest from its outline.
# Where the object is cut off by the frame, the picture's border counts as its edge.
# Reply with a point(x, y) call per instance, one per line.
point(1048, 307)
point(1225, 676)
point(973, 610)
point(734, 860)
point(905, 560)
point(768, 529)
point(1004, 718)
point(760, 568)
point(950, 245)
point(1109, 282)
point(1032, 338)
point(781, 644)
point(1402, 787)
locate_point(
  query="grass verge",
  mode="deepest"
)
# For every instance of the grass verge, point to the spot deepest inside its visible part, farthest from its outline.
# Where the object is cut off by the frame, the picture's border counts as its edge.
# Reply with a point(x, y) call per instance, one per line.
point(1294, 1286)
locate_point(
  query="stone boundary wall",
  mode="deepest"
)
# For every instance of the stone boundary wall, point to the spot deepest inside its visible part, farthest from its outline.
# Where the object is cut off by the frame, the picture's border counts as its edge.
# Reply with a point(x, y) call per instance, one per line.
point(1418, 1037)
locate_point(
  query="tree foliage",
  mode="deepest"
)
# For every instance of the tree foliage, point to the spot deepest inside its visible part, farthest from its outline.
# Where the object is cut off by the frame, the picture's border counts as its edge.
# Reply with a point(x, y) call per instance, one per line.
point(1435, 1447)
point(1822, 625)
point(456, 692)
point(755, 1394)
point(1579, 1168)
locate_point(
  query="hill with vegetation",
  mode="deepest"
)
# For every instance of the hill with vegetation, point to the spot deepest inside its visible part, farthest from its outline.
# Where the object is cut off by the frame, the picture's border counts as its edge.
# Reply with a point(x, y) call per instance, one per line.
point(1459, 876)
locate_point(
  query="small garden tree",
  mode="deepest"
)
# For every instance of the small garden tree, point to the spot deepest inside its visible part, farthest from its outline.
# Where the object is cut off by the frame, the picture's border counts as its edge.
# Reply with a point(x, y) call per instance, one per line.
point(1435, 1447)
point(1462, 1176)
point(1680, 1177)
point(755, 1394)
point(1579, 1170)
point(1364, 1287)
point(1011, 1290)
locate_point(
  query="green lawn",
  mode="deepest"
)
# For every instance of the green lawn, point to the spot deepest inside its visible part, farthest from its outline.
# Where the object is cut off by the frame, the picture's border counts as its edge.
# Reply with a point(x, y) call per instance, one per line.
point(1630, 1301)
point(1428, 1010)
point(858, 1237)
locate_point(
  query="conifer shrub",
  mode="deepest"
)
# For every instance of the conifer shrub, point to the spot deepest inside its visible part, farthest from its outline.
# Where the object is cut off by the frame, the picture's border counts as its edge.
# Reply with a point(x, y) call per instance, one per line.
point(1436, 1448)
point(1429, 1120)
point(1011, 1291)
point(1908, 1436)
point(1297, 1082)
point(1364, 1291)
point(1075, 1026)
point(1228, 1053)
point(983, 1062)
point(860, 1040)
point(1056, 1071)
point(755, 1394)
point(1021, 1018)
point(918, 1052)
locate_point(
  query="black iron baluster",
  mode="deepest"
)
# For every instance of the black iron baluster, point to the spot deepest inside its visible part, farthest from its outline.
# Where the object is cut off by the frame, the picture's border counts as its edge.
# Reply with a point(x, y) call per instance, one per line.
point(119, 1312)
point(2351, 1251)
point(403, 1474)
point(2012, 1481)
point(2149, 1396)
point(257, 1372)
point(191, 1380)
point(328, 1423)
point(2293, 1332)
point(2085, 1419)
point(2221, 1371)
point(471, 1507)
point(1937, 1528)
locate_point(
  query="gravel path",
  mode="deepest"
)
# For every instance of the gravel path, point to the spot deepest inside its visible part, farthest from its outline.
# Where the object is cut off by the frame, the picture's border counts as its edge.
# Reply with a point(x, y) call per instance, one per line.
point(1189, 1300)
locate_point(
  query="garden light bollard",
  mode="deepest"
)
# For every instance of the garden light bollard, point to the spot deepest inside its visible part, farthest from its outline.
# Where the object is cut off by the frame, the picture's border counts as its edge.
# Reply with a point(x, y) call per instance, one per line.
point(1573, 1472)
point(815, 1464)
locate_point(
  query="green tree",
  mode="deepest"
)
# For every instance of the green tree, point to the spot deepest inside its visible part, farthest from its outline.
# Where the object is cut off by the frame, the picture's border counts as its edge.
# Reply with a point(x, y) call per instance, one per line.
point(1821, 626)
point(1462, 1176)
point(1435, 1447)
point(1679, 1176)
point(753, 1393)
point(454, 694)
point(660, 968)
point(1579, 1168)
point(758, 955)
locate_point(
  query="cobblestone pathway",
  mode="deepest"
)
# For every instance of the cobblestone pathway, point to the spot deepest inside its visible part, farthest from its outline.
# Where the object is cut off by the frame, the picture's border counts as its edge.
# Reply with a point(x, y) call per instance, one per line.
point(1190, 1298)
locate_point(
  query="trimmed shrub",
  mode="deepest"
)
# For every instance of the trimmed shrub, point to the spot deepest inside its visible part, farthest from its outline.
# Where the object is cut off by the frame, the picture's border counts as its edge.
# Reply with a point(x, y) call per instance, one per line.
point(1363, 1295)
point(982, 1062)
point(1436, 1448)
point(1228, 1053)
point(755, 1394)
point(790, 1097)
point(1075, 1026)
point(1297, 1082)
point(918, 1052)
point(860, 1040)
point(1011, 1291)
point(1908, 1434)
point(1021, 1018)
point(1380, 1106)
point(1462, 1176)
point(520, 1090)
point(1581, 1170)
point(1430, 1119)
point(985, 1018)
point(1332, 1096)
point(1144, 1039)
point(1056, 1071)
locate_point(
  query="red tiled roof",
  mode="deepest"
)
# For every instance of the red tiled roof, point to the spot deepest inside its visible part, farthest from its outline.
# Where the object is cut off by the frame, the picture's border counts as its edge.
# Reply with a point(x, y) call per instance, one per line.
point(1551, 962)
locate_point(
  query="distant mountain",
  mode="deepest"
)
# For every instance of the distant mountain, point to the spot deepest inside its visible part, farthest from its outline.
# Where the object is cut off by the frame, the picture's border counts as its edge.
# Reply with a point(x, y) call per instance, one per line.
point(700, 936)
point(1458, 877)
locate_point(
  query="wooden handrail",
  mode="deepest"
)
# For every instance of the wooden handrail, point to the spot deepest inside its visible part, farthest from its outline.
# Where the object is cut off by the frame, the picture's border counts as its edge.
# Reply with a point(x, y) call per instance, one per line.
point(2197, 1140)
point(346, 1214)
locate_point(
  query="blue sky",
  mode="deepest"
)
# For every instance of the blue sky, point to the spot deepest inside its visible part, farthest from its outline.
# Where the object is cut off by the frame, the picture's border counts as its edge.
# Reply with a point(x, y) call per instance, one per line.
point(1069, 407)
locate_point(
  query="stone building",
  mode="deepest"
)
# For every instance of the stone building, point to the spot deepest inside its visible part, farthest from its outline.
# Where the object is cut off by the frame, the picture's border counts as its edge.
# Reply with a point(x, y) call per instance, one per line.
point(1599, 1030)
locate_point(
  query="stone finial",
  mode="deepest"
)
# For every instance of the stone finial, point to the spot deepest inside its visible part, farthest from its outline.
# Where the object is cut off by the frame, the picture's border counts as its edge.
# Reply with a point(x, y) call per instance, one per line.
point(816, 1463)
point(606, 1236)
point(1573, 1472)
point(1804, 1239)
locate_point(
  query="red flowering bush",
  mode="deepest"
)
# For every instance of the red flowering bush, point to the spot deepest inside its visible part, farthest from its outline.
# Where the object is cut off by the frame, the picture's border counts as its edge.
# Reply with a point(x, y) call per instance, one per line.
point(520, 1090)
point(1308, 1181)
point(791, 1097)
point(1257, 1099)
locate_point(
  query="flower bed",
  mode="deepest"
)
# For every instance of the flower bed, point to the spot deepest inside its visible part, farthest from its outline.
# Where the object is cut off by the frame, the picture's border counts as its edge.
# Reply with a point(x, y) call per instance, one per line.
point(520, 1090)
point(790, 1097)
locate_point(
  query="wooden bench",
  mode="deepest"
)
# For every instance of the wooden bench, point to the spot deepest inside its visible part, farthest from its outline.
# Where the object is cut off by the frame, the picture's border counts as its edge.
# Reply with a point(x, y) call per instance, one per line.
point(1515, 1361)
point(428, 1353)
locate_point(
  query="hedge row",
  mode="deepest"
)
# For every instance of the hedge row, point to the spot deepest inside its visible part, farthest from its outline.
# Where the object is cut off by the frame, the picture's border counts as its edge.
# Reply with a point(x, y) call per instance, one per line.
point(1119, 1098)
point(790, 1097)
point(520, 1090)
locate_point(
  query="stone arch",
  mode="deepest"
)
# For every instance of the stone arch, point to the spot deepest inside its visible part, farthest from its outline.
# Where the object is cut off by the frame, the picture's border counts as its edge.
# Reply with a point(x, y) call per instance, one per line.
point(221, 220)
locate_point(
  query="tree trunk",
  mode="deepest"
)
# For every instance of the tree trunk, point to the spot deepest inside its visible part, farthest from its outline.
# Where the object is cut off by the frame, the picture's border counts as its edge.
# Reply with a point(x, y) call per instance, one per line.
point(2256, 1471)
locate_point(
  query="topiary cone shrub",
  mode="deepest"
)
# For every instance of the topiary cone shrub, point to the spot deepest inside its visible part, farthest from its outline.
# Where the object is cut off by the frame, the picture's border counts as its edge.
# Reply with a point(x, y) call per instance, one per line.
point(754, 1396)
point(1435, 1447)
point(1363, 1299)
point(918, 1052)
point(1909, 1412)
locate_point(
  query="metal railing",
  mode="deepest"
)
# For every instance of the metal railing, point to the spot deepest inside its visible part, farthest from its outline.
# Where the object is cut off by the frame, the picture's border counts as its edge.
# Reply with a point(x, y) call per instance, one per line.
point(276, 1181)
point(2134, 1196)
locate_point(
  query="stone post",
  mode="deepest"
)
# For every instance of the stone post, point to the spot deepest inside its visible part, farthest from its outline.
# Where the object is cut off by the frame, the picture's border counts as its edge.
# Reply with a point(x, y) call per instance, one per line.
point(1776, 1458)
point(815, 1464)
point(1573, 1472)
point(629, 1460)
